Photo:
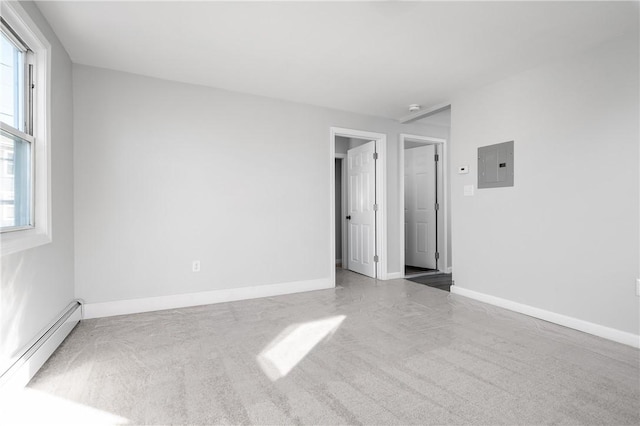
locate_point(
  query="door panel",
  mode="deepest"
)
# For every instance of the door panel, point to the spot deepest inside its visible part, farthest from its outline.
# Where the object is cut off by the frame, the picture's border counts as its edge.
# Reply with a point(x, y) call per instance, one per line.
point(354, 248)
point(419, 205)
point(423, 194)
point(422, 237)
point(361, 171)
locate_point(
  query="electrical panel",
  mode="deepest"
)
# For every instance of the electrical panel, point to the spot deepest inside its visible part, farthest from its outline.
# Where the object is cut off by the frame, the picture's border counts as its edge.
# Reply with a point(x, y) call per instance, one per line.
point(495, 165)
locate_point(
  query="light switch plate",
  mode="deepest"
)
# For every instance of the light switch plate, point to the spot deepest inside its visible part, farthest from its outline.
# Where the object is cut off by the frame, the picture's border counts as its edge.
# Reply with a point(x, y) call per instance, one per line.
point(468, 190)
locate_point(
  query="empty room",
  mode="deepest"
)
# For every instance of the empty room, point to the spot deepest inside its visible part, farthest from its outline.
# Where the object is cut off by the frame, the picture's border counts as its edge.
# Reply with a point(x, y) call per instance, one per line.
point(316, 213)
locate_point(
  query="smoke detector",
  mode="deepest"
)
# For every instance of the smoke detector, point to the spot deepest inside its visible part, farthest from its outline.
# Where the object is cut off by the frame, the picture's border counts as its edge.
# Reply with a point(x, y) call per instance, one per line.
point(414, 107)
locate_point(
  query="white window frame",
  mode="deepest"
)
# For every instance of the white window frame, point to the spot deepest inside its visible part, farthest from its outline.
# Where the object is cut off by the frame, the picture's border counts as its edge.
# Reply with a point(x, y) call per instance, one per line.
point(41, 231)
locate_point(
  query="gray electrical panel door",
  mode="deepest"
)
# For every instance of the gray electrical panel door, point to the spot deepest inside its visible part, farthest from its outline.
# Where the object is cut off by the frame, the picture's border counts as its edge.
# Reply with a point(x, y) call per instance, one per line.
point(495, 165)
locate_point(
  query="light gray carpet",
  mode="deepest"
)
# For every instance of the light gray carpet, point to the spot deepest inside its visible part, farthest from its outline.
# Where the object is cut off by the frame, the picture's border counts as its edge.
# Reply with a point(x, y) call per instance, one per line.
point(367, 352)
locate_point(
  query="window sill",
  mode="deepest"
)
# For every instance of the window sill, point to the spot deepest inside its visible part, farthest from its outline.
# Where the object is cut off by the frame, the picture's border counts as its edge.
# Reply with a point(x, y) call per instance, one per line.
point(17, 241)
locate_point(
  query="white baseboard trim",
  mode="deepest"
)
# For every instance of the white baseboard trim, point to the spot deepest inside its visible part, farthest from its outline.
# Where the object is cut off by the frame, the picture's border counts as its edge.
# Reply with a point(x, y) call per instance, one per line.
point(394, 275)
point(38, 351)
point(148, 304)
point(564, 320)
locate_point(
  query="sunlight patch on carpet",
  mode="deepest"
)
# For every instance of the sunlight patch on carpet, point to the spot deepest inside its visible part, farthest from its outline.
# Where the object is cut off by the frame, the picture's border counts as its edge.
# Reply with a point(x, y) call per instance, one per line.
point(294, 343)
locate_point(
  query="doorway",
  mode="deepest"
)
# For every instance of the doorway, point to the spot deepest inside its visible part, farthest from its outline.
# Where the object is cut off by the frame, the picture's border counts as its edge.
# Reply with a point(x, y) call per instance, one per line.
point(423, 202)
point(357, 227)
point(339, 191)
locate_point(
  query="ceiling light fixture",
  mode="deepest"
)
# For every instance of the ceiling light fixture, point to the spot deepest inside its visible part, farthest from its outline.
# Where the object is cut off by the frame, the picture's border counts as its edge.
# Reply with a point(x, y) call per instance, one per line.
point(414, 107)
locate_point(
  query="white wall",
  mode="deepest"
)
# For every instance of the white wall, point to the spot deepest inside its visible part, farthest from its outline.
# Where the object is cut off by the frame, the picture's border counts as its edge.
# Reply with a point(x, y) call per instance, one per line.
point(342, 145)
point(565, 237)
point(37, 284)
point(355, 142)
point(169, 172)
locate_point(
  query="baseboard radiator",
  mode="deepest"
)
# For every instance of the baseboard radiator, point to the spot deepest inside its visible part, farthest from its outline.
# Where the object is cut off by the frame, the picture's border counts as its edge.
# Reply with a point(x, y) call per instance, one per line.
point(26, 364)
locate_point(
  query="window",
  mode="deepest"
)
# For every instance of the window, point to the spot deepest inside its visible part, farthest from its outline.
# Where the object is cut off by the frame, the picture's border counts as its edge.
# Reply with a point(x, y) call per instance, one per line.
point(13, 53)
point(25, 63)
point(8, 164)
point(16, 134)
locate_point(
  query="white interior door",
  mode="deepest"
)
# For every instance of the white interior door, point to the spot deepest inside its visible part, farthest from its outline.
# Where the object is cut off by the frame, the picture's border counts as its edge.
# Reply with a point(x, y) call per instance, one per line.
point(420, 206)
point(361, 214)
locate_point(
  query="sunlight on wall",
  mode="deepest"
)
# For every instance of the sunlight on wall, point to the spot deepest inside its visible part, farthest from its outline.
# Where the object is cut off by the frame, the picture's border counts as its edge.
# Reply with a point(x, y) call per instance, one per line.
point(293, 344)
point(12, 313)
point(30, 406)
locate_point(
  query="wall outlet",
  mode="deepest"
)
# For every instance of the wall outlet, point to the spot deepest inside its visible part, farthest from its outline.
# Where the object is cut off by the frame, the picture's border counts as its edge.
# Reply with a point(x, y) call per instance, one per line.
point(195, 266)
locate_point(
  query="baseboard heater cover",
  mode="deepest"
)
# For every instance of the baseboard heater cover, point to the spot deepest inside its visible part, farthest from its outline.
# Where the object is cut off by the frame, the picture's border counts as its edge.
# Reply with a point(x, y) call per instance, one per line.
point(26, 364)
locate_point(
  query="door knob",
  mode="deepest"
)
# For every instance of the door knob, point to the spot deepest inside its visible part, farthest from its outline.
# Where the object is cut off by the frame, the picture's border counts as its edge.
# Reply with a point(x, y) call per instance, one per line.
point(348, 217)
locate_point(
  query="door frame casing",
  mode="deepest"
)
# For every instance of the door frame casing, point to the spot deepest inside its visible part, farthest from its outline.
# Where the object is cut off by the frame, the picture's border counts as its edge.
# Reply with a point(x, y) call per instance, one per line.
point(343, 208)
point(443, 241)
point(381, 197)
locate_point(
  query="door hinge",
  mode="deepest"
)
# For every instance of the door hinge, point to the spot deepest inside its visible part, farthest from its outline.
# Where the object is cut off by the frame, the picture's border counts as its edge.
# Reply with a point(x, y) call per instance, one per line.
point(437, 206)
point(375, 258)
point(375, 207)
point(437, 255)
point(375, 155)
point(436, 157)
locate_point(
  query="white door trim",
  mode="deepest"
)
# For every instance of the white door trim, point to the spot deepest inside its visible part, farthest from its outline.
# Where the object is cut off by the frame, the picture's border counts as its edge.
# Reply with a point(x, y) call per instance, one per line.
point(343, 213)
point(443, 241)
point(381, 196)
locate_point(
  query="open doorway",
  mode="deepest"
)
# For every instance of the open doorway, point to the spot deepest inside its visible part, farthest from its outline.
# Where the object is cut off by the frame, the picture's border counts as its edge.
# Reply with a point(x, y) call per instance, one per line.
point(340, 191)
point(420, 208)
point(358, 201)
point(424, 207)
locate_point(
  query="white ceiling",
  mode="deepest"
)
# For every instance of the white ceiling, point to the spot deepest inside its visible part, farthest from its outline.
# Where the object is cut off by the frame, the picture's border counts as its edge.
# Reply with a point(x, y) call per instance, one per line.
point(442, 118)
point(368, 57)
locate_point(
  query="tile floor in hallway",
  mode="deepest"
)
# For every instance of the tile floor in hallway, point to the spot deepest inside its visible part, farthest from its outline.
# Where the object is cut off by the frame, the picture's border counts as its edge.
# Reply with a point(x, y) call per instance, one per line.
point(366, 352)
